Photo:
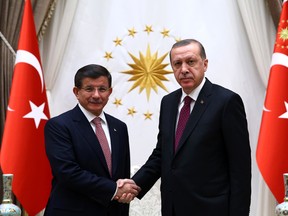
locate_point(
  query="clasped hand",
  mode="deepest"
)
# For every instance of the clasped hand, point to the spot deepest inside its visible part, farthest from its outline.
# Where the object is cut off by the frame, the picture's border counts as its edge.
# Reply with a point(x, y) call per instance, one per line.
point(127, 190)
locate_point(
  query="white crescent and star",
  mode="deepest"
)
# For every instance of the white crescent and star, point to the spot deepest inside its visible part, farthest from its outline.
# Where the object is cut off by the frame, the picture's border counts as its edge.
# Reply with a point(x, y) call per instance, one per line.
point(285, 115)
point(36, 112)
point(266, 110)
point(24, 56)
point(279, 59)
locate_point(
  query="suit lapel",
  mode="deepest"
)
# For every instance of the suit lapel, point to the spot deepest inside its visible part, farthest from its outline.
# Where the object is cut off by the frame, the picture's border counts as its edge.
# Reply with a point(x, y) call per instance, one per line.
point(173, 117)
point(200, 106)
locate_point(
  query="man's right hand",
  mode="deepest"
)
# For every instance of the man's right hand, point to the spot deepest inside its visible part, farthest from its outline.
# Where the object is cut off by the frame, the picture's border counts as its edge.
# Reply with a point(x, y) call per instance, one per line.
point(127, 190)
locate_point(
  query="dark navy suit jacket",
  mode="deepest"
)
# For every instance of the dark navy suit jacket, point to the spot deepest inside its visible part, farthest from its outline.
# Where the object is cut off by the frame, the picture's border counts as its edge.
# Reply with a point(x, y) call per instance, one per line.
point(210, 174)
point(81, 182)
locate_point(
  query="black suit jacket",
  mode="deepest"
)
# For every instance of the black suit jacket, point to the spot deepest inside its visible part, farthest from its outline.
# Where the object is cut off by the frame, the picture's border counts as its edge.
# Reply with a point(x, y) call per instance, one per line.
point(210, 174)
point(81, 182)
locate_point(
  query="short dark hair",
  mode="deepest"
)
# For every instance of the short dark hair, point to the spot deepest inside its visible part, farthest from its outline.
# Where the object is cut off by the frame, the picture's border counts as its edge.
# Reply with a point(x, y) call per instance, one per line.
point(93, 71)
point(185, 42)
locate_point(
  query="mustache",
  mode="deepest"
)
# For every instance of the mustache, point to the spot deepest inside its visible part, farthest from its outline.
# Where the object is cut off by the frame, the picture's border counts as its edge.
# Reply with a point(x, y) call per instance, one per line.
point(186, 76)
point(96, 101)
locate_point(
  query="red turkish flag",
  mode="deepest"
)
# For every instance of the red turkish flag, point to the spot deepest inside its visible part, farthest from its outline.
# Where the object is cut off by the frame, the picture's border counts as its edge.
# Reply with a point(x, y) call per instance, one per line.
point(272, 149)
point(23, 151)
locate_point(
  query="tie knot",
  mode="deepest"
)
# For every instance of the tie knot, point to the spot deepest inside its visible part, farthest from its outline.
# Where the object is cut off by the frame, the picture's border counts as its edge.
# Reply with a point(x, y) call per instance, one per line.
point(97, 121)
point(187, 100)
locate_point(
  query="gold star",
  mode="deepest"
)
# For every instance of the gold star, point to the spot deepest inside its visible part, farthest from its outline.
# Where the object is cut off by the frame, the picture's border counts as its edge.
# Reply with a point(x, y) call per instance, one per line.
point(108, 55)
point(132, 32)
point(148, 115)
point(148, 29)
point(117, 102)
point(284, 34)
point(118, 42)
point(131, 111)
point(148, 72)
point(177, 39)
point(165, 32)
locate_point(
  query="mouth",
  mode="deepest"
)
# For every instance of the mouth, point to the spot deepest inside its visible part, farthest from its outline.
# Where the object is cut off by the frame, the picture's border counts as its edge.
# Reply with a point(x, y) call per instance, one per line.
point(186, 78)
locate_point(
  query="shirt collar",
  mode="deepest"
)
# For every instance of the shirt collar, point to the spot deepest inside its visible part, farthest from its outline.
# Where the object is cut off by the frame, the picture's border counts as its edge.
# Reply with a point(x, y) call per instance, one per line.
point(91, 116)
point(195, 93)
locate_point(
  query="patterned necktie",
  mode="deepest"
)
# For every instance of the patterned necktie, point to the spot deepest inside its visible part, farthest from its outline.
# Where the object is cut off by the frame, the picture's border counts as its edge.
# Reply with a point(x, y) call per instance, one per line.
point(103, 142)
point(183, 118)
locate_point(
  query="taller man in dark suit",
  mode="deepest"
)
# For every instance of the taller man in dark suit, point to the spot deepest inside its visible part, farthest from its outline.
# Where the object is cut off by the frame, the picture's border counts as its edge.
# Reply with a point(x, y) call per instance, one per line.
point(84, 172)
point(209, 171)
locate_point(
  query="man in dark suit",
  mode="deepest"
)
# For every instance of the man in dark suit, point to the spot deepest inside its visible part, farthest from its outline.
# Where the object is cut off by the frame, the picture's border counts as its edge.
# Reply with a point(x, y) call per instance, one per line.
point(209, 172)
point(84, 181)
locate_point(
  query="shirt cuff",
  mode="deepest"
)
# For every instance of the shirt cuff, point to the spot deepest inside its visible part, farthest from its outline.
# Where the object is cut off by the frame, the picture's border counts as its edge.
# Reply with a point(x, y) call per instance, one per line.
point(115, 193)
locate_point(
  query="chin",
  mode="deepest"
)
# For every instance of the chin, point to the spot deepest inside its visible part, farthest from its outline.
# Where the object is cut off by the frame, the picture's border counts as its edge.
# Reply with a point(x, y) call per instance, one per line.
point(188, 90)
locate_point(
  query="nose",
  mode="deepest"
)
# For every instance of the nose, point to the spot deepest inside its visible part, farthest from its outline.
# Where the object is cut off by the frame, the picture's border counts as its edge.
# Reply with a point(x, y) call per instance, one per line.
point(184, 68)
point(96, 93)
point(184, 72)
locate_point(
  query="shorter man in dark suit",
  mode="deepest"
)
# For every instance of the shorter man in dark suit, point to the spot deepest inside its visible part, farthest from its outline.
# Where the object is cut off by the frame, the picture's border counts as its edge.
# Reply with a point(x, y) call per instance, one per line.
point(84, 171)
point(205, 169)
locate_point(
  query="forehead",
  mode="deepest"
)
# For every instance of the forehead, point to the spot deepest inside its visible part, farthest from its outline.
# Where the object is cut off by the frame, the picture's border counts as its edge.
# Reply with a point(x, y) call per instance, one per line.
point(190, 50)
point(102, 80)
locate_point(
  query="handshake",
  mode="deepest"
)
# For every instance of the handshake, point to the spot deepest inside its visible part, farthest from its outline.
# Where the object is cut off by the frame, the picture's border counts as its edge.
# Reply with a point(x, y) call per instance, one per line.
point(127, 190)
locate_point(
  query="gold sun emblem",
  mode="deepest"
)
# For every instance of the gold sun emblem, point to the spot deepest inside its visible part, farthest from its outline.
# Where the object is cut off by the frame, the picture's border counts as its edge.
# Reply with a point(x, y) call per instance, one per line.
point(148, 72)
point(284, 34)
